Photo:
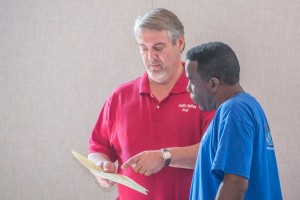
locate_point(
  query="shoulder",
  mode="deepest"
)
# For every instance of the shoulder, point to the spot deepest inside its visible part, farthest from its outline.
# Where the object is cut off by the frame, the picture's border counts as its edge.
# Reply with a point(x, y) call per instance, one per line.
point(242, 107)
point(239, 102)
point(127, 87)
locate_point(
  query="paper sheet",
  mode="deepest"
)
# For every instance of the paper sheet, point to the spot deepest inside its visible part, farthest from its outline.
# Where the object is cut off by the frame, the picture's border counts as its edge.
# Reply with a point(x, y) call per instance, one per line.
point(118, 178)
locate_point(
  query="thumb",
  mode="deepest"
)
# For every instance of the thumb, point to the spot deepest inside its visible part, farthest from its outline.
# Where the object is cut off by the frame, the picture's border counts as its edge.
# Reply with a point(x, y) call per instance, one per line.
point(108, 166)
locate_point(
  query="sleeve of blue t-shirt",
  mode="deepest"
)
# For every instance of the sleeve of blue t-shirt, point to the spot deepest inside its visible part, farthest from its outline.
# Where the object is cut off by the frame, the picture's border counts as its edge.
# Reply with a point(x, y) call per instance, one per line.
point(234, 150)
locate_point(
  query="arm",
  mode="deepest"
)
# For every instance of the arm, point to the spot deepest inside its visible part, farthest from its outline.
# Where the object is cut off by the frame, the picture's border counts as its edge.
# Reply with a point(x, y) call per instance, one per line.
point(232, 187)
point(103, 161)
point(150, 162)
point(184, 157)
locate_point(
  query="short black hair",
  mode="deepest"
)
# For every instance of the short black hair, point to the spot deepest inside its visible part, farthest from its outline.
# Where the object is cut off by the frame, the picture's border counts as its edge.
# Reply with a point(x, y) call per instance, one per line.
point(216, 59)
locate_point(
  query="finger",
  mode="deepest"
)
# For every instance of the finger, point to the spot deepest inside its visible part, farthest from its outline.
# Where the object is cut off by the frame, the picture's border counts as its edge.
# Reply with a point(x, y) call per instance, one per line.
point(148, 173)
point(104, 182)
point(110, 183)
point(109, 167)
point(137, 167)
point(100, 165)
point(131, 161)
point(142, 170)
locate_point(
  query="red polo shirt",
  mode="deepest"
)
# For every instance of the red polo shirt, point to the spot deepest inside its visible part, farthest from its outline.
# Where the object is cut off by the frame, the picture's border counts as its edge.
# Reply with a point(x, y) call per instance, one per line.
point(132, 121)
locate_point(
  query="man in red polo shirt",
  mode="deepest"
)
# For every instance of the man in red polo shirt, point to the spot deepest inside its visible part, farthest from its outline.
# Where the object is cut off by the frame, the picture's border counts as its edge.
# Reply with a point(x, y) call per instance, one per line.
point(150, 125)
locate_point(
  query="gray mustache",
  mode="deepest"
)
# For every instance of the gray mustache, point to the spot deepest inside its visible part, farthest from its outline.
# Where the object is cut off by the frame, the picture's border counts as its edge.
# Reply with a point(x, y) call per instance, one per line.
point(154, 63)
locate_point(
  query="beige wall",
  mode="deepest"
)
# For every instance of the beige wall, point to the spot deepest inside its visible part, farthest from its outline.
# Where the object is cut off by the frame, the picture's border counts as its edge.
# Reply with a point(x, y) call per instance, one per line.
point(60, 59)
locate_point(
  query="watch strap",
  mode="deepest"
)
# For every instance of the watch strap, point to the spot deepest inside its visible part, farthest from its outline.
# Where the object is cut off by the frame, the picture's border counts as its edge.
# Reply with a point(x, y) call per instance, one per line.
point(166, 159)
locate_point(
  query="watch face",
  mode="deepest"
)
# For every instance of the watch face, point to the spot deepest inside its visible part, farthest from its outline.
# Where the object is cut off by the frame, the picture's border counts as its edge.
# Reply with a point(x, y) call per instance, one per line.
point(167, 155)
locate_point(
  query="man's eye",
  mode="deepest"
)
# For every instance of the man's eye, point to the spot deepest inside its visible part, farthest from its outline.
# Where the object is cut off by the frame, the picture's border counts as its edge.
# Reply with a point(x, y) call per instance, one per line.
point(158, 48)
point(143, 49)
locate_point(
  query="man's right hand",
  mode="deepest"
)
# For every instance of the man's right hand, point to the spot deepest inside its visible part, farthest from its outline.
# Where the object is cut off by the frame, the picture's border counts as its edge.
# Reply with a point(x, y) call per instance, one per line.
point(109, 167)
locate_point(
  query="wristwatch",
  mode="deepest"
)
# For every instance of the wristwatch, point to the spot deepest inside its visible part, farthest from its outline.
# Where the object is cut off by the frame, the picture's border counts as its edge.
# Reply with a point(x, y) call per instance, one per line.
point(166, 156)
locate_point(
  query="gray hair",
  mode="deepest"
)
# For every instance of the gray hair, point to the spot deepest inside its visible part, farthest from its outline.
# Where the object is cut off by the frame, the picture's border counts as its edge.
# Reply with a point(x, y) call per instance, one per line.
point(160, 19)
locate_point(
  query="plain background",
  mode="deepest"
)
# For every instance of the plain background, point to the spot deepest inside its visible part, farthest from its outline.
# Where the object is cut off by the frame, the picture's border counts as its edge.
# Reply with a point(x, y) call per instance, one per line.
point(59, 61)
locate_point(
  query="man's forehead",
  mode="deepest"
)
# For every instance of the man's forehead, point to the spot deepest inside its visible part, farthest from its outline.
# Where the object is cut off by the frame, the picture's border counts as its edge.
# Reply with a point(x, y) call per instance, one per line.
point(191, 63)
point(191, 68)
point(153, 36)
point(152, 45)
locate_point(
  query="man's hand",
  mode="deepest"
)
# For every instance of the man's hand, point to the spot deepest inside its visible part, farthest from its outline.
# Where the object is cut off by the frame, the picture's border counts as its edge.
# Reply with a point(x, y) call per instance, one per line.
point(106, 166)
point(146, 162)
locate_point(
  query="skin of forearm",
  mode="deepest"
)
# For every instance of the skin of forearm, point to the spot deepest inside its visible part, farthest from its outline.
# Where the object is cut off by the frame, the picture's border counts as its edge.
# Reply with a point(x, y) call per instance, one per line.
point(184, 157)
point(232, 188)
point(96, 157)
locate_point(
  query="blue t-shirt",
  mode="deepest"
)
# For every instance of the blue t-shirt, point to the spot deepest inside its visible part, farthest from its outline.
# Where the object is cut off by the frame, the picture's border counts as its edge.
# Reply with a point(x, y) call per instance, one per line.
point(238, 141)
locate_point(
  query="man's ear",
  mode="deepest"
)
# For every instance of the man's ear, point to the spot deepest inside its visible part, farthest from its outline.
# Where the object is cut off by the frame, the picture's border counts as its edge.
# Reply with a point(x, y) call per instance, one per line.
point(181, 43)
point(214, 84)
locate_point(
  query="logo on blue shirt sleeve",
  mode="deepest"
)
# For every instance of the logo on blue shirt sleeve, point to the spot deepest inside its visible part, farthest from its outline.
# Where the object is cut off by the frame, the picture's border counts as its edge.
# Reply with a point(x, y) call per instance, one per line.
point(269, 140)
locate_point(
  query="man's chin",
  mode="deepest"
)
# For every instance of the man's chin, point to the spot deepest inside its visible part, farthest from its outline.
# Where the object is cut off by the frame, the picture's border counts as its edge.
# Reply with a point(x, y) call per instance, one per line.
point(201, 107)
point(157, 76)
point(155, 68)
point(193, 99)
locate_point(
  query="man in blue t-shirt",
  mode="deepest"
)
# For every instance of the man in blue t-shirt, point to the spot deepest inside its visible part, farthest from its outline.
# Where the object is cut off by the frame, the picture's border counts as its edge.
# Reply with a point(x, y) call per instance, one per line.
point(236, 159)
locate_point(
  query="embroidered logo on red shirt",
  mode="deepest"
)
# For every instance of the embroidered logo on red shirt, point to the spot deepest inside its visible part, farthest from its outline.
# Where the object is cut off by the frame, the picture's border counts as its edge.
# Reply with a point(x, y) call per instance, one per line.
point(187, 107)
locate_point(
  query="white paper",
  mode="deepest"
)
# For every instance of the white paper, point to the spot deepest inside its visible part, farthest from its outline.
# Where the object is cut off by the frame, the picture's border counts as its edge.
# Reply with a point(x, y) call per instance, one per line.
point(118, 178)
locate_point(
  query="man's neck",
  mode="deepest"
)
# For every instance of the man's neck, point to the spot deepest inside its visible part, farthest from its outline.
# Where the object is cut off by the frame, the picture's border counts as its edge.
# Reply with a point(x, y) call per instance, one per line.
point(228, 92)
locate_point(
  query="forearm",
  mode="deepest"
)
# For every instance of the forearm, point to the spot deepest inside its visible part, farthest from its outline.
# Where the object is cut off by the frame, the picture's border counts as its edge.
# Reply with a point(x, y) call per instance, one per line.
point(98, 157)
point(184, 157)
point(232, 187)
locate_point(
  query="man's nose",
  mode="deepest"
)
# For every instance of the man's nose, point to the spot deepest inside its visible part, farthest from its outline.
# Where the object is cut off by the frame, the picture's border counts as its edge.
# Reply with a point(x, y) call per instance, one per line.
point(151, 55)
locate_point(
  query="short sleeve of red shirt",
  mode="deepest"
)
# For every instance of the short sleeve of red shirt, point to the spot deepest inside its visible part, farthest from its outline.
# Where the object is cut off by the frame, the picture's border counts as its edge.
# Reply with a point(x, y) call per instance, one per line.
point(100, 140)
